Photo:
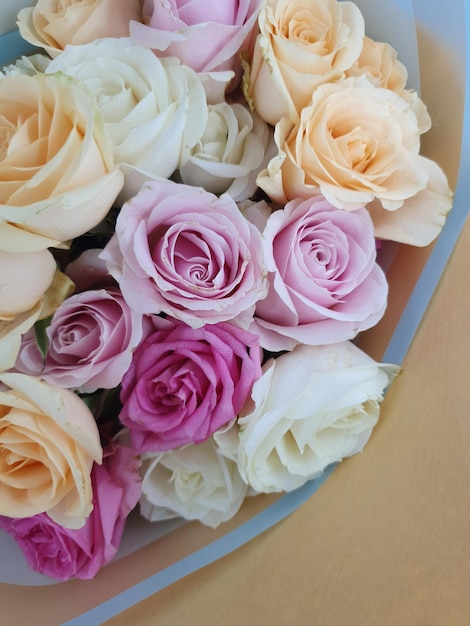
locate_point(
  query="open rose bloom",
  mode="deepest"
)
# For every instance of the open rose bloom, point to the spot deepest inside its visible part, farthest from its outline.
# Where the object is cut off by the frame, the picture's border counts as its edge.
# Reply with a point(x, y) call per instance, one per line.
point(207, 37)
point(198, 207)
point(53, 25)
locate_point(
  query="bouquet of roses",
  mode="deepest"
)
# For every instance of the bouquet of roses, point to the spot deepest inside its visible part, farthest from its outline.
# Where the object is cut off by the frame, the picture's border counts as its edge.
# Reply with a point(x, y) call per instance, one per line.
point(192, 196)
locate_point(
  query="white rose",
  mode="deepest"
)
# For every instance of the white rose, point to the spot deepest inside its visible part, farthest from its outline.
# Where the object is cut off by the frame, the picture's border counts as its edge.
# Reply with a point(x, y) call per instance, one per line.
point(231, 152)
point(155, 110)
point(196, 482)
point(26, 65)
point(312, 407)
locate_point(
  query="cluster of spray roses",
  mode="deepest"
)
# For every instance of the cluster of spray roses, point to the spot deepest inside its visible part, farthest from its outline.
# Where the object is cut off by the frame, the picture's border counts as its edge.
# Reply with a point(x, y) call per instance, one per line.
point(186, 255)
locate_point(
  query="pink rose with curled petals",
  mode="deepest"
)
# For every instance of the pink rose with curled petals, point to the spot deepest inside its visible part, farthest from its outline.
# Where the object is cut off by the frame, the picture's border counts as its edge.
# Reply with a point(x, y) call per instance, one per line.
point(91, 339)
point(324, 283)
point(186, 383)
point(185, 252)
point(207, 36)
point(64, 553)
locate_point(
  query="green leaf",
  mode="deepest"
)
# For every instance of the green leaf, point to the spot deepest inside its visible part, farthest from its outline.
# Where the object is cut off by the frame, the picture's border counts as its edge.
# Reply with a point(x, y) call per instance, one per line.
point(42, 339)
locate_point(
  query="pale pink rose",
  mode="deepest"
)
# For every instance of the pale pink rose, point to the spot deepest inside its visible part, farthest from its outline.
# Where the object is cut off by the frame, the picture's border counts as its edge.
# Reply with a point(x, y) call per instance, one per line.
point(64, 553)
point(324, 283)
point(185, 252)
point(91, 339)
point(302, 44)
point(52, 25)
point(356, 143)
point(186, 383)
point(68, 188)
point(207, 36)
point(48, 443)
point(24, 278)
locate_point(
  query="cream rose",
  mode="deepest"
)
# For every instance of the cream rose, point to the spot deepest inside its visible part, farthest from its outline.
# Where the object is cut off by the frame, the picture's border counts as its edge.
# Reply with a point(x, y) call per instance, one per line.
point(48, 443)
point(302, 44)
point(26, 65)
point(154, 110)
point(51, 124)
point(11, 332)
point(356, 143)
point(12, 329)
point(24, 278)
point(312, 407)
point(196, 482)
point(52, 24)
point(234, 148)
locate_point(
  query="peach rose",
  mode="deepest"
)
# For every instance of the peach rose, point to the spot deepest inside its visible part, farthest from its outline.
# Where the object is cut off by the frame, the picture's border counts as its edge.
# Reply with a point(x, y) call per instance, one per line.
point(51, 124)
point(302, 44)
point(24, 278)
point(52, 24)
point(12, 328)
point(11, 332)
point(356, 143)
point(379, 62)
point(48, 442)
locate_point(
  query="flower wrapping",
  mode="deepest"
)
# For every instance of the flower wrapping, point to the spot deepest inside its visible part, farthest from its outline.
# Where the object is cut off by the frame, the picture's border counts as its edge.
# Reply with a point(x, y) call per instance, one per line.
point(173, 299)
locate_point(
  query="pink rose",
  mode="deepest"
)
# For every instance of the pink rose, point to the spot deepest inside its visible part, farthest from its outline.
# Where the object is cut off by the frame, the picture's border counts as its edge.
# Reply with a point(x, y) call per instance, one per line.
point(89, 271)
point(324, 284)
point(91, 338)
point(63, 553)
point(185, 252)
point(185, 383)
point(207, 36)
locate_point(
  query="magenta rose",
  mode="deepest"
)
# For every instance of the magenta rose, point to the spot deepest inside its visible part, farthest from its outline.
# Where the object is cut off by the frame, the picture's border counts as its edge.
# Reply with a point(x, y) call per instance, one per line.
point(324, 283)
point(185, 383)
point(185, 252)
point(206, 36)
point(90, 342)
point(64, 553)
